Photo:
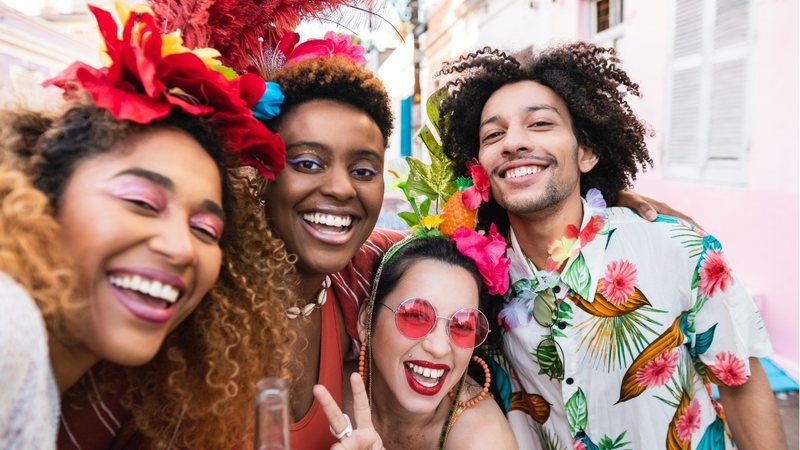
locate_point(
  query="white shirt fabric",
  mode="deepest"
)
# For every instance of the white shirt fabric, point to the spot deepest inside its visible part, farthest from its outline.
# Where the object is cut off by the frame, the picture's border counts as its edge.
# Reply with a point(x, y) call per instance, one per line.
point(29, 400)
point(622, 389)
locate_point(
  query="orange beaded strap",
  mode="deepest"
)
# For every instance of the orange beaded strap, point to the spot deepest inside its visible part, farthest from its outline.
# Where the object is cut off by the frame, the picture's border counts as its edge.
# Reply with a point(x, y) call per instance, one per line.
point(362, 362)
point(456, 413)
point(488, 377)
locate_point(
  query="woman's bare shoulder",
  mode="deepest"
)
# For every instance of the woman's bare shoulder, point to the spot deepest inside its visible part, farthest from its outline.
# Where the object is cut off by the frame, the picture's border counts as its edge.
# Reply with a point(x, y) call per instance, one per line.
point(485, 416)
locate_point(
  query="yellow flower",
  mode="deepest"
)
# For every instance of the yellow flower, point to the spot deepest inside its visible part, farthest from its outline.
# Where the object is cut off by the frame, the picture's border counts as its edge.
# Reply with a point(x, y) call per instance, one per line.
point(172, 44)
point(124, 10)
point(431, 222)
point(560, 250)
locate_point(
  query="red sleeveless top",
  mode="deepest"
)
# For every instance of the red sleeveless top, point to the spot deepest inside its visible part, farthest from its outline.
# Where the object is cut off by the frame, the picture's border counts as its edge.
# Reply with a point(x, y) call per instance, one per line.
point(311, 432)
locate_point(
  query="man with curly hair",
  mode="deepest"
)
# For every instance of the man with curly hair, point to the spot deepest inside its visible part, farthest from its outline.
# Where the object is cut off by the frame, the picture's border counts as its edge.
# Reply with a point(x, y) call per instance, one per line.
point(615, 326)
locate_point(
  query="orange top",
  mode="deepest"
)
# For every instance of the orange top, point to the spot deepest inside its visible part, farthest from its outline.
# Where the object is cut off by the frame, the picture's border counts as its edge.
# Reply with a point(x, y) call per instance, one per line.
point(311, 432)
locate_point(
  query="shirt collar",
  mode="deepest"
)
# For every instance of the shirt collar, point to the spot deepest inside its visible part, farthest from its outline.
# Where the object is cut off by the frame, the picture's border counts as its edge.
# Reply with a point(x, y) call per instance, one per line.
point(581, 270)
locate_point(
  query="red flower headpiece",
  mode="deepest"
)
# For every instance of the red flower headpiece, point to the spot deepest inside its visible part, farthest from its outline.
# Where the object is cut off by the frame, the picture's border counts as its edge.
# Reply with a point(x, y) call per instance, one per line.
point(145, 81)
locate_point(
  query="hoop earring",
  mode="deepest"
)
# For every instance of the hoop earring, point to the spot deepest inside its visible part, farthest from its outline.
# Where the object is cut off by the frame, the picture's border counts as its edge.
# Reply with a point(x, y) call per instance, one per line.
point(488, 381)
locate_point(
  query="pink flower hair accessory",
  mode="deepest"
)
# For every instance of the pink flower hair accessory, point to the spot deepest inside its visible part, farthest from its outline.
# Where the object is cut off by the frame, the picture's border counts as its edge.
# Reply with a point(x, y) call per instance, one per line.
point(488, 253)
point(289, 50)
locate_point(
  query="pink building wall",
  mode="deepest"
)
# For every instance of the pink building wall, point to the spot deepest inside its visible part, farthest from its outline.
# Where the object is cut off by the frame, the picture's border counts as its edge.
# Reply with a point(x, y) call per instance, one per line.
point(757, 219)
point(757, 222)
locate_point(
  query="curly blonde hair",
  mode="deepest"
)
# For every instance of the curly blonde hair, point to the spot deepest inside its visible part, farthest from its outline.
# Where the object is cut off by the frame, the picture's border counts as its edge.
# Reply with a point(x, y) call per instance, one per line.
point(30, 238)
point(207, 368)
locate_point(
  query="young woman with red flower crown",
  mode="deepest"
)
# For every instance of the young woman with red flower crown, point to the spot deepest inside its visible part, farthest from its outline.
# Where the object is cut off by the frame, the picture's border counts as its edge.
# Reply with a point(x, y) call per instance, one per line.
point(126, 235)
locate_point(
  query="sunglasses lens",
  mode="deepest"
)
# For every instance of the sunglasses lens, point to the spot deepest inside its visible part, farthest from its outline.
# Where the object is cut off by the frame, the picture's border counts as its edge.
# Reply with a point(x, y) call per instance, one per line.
point(415, 318)
point(543, 307)
point(468, 328)
point(550, 358)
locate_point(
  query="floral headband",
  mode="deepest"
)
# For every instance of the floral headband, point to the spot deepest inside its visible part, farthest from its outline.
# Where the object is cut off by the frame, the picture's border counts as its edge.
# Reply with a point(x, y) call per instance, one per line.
point(429, 185)
point(148, 74)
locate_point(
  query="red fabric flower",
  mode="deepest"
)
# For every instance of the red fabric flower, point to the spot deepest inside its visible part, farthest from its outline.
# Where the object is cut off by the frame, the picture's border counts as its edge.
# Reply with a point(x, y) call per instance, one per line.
point(141, 85)
point(588, 233)
point(488, 252)
point(479, 192)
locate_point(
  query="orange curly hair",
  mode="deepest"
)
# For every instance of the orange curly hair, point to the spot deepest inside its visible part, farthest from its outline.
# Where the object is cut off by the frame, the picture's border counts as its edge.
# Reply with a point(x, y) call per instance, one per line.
point(29, 240)
point(207, 368)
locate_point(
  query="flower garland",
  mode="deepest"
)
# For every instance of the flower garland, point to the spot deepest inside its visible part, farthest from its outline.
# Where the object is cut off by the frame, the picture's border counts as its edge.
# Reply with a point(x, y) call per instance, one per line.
point(569, 245)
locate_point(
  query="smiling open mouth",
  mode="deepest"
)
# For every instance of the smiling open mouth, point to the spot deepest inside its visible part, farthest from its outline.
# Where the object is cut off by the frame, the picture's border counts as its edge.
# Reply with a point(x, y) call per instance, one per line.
point(522, 171)
point(329, 223)
point(426, 381)
point(424, 375)
point(152, 292)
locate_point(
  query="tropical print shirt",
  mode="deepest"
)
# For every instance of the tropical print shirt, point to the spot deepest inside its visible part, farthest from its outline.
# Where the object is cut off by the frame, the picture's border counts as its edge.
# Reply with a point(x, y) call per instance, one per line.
point(646, 316)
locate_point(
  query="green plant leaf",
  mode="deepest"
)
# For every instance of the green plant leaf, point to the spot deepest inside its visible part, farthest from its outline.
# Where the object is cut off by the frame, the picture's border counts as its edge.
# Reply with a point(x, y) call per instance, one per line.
point(226, 71)
point(550, 358)
point(578, 276)
point(433, 181)
point(429, 140)
point(425, 207)
point(432, 107)
point(703, 340)
point(409, 218)
point(713, 437)
point(577, 412)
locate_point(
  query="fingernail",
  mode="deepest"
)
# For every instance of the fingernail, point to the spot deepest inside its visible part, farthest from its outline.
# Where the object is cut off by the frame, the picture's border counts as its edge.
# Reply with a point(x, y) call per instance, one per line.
point(651, 214)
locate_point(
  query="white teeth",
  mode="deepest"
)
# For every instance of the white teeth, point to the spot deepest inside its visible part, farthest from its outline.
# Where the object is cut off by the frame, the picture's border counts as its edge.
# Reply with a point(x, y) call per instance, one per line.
point(152, 288)
point(168, 293)
point(328, 219)
point(522, 171)
point(155, 289)
point(426, 372)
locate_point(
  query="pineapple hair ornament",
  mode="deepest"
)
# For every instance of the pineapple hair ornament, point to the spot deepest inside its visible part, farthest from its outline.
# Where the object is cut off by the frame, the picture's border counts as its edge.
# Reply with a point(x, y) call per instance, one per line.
point(426, 187)
point(430, 185)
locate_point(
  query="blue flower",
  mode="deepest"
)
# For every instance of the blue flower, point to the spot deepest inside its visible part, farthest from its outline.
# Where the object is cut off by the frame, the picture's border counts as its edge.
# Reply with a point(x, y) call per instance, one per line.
point(269, 105)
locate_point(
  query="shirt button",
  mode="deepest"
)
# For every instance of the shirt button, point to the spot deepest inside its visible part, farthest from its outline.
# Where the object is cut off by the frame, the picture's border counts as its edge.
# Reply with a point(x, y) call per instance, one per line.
point(569, 380)
point(562, 325)
point(556, 289)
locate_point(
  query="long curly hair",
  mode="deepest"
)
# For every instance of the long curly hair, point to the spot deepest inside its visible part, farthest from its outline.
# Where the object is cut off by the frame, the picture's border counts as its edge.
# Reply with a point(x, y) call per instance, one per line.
point(30, 250)
point(594, 87)
point(207, 368)
point(336, 78)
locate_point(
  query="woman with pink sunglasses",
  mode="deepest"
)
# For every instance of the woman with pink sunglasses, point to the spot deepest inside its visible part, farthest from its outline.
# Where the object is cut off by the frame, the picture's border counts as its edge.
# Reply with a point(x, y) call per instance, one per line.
point(418, 334)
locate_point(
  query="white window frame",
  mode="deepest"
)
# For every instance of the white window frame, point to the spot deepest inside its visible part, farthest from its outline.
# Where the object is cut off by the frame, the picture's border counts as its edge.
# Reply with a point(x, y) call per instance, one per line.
point(731, 171)
point(616, 30)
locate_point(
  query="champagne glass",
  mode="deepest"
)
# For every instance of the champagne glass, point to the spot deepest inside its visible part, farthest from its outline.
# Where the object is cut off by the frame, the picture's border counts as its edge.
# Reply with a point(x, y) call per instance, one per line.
point(272, 414)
